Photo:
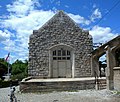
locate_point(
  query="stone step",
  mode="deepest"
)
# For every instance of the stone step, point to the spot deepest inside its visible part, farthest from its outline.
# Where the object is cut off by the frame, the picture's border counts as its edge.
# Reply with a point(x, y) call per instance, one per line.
point(60, 84)
point(102, 84)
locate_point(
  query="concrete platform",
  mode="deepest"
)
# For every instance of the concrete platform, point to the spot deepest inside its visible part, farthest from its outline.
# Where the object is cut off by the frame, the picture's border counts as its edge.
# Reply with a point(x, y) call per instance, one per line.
point(58, 84)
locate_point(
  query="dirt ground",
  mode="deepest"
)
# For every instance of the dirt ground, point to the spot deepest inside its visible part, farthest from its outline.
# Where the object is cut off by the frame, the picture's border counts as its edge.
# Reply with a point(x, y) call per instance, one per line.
point(79, 96)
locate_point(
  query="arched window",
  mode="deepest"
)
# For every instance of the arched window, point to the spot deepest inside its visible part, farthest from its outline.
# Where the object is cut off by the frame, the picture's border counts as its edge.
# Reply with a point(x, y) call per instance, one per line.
point(61, 54)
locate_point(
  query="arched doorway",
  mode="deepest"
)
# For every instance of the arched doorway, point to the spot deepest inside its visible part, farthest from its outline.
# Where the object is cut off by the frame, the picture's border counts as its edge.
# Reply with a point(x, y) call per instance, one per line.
point(61, 61)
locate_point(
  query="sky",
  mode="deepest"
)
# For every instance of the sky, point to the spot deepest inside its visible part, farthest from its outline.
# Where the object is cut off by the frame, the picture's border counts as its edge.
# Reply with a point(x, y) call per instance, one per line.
point(18, 19)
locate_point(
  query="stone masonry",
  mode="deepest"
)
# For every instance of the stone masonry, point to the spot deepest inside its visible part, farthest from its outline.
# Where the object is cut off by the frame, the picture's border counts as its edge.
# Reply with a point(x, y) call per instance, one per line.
point(60, 29)
point(117, 78)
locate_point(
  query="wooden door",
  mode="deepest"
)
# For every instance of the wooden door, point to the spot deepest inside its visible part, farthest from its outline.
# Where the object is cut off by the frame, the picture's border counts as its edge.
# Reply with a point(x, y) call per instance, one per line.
point(62, 69)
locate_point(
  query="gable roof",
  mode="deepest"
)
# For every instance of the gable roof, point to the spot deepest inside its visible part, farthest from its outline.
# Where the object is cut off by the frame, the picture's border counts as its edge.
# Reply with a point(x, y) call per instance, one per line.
point(62, 17)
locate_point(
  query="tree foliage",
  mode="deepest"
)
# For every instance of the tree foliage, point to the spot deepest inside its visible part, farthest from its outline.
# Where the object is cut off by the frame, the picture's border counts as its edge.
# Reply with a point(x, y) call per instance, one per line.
point(3, 67)
point(19, 69)
point(3, 63)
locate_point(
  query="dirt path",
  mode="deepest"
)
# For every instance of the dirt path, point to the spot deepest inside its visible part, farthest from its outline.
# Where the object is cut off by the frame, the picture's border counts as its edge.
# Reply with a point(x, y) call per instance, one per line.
point(80, 96)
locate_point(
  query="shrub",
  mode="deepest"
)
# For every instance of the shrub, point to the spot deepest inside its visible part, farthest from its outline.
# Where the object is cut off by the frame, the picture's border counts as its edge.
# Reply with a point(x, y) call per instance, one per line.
point(19, 76)
point(9, 83)
point(4, 84)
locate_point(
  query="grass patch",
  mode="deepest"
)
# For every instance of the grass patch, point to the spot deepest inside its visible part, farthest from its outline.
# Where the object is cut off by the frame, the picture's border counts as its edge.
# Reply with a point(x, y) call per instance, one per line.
point(118, 92)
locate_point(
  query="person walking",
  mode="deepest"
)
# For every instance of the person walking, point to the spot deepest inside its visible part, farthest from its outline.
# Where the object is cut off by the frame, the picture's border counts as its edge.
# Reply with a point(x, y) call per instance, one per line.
point(12, 94)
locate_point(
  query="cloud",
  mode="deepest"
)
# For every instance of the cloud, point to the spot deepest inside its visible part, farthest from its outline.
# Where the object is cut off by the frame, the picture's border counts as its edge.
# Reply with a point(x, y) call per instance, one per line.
point(79, 19)
point(102, 34)
point(4, 35)
point(58, 3)
point(21, 22)
point(23, 27)
point(94, 6)
point(22, 7)
point(96, 15)
point(10, 45)
point(66, 6)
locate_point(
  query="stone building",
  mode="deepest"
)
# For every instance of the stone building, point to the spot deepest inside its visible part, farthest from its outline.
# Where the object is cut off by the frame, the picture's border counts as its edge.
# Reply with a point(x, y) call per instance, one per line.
point(112, 51)
point(60, 49)
point(61, 54)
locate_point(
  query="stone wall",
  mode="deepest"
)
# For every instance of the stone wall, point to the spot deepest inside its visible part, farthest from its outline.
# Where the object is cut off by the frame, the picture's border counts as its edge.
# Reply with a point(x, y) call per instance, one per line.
point(57, 86)
point(117, 78)
point(59, 29)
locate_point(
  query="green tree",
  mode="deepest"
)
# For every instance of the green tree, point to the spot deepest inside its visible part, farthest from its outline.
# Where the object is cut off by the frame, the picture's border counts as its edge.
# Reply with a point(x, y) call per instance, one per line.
point(3, 67)
point(19, 69)
point(3, 70)
point(2, 61)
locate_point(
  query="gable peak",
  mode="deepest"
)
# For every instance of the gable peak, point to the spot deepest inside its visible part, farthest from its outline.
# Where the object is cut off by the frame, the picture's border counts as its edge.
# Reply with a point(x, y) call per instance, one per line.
point(60, 17)
point(61, 12)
